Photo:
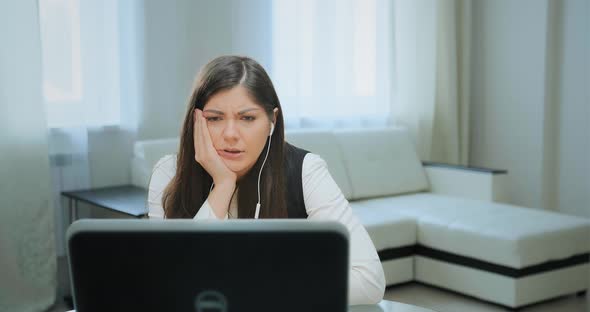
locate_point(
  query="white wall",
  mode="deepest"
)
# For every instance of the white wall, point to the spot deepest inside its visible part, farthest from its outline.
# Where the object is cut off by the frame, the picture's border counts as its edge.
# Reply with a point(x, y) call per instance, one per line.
point(530, 108)
point(507, 92)
point(180, 36)
point(574, 130)
point(252, 30)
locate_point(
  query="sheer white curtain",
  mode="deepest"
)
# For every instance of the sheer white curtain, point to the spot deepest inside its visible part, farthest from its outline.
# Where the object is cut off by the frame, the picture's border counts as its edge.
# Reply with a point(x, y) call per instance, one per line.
point(431, 76)
point(331, 61)
point(80, 62)
point(27, 249)
point(83, 44)
point(375, 62)
point(451, 122)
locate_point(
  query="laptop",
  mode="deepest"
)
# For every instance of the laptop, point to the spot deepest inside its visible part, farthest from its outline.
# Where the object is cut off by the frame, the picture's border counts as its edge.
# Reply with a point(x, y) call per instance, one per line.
point(208, 266)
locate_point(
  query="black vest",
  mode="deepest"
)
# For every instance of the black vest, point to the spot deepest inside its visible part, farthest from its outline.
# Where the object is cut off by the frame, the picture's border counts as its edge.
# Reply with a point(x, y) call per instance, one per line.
point(293, 172)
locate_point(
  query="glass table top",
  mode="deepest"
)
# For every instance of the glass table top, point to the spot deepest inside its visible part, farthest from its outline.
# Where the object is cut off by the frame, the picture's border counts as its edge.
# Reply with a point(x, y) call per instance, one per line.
point(388, 306)
point(383, 306)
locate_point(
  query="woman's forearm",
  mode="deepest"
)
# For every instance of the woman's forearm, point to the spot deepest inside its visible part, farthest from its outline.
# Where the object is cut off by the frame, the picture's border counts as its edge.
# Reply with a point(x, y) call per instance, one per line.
point(220, 197)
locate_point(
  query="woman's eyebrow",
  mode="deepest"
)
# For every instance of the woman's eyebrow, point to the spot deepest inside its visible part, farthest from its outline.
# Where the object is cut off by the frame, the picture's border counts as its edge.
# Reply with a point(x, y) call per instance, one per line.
point(214, 111)
point(247, 110)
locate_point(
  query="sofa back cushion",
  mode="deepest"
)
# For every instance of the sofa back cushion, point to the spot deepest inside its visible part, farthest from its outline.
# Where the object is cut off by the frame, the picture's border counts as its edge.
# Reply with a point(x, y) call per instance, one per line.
point(363, 162)
point(381, 162)
point(150, 151)
point(323, 143)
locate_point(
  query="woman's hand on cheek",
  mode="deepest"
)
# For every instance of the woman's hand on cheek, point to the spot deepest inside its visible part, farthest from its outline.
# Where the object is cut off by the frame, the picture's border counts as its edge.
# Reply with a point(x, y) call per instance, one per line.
point(206, 155)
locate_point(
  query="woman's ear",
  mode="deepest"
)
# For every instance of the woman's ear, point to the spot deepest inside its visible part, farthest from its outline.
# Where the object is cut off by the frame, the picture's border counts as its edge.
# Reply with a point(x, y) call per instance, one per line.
point(275, 112)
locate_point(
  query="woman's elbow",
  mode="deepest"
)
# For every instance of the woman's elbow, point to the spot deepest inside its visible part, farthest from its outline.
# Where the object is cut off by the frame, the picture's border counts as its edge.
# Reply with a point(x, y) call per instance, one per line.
point(376, 294)
point(367, 288)
point(379, 295)
point(368, 295)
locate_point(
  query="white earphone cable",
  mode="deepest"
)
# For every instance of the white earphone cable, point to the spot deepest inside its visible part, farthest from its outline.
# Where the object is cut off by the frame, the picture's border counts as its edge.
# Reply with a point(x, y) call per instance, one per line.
point(257, 212)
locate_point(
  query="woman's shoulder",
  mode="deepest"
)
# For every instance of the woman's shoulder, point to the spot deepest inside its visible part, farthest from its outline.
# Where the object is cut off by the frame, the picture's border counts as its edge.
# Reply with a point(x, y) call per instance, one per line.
point(166, 164)
point(163, 171)
point(312, 163)
point(311, 158)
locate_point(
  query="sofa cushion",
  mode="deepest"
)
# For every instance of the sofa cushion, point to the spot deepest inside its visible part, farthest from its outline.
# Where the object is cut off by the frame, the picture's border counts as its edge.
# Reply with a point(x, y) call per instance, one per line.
point(323, 143)
point(153, 150)
point(381, 162)
point(498, 233)
point(145, 156)
point(387, 230)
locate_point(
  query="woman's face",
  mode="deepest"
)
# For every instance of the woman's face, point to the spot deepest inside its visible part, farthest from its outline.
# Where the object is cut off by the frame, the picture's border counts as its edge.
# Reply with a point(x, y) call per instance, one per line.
point(239, 128)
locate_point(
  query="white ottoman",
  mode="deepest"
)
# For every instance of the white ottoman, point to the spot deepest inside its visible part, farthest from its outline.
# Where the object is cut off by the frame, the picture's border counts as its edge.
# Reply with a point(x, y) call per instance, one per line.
point(501, 253)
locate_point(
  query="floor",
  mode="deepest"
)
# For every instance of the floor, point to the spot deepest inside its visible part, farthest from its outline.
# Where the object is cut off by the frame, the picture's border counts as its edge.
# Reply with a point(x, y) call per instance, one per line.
point(413, 293)
point(444, 301)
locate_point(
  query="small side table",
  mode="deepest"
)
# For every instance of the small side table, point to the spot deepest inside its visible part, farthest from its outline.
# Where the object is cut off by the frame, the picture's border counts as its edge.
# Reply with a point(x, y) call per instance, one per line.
point(127, 199)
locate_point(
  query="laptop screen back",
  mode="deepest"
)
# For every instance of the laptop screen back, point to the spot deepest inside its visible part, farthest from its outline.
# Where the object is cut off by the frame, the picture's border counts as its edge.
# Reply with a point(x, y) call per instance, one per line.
point(183, 265)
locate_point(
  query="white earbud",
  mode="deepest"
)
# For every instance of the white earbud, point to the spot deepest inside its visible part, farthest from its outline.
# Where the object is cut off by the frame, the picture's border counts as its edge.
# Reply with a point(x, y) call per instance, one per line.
point(272, 128)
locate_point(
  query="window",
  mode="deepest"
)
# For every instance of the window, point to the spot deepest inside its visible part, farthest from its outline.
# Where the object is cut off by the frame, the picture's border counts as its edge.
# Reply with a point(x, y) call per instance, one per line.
point(331, 61)
point(80, 57)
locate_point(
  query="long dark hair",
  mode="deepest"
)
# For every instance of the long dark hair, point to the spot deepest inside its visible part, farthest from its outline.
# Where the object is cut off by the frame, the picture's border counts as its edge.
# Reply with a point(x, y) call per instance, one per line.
point(189, 188)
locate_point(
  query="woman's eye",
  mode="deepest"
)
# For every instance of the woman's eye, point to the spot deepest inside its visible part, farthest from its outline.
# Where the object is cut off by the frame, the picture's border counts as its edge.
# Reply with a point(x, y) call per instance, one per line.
point(213, 118)
point(248, 118)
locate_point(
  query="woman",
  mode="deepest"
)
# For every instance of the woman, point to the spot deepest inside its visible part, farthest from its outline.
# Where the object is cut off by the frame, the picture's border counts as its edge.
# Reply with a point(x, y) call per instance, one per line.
point(233, 162)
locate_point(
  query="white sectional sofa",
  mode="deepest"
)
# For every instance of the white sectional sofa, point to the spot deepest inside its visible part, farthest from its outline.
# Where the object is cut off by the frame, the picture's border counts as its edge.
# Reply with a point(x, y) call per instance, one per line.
point(438, 224)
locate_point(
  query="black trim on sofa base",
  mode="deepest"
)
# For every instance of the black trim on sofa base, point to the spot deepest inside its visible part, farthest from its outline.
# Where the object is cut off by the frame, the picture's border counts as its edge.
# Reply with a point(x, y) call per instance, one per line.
point(467, 168)
point(396, 253)
point(419, 250)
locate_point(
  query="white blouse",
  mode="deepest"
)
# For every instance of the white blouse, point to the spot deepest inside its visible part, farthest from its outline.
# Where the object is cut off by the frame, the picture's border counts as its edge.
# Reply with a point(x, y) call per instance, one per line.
point(323, 201)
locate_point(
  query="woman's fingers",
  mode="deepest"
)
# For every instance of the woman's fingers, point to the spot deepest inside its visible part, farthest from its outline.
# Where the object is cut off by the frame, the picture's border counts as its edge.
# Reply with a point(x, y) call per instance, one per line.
point(207, 138)
point(204, 150)
point(198, 135)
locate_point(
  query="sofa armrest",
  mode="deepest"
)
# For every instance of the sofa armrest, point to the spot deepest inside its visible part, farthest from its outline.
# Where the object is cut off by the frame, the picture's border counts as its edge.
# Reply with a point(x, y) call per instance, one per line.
point(468, 182)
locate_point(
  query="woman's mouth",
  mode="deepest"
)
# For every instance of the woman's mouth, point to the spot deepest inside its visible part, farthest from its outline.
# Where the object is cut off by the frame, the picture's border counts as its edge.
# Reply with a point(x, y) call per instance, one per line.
point(230, 153)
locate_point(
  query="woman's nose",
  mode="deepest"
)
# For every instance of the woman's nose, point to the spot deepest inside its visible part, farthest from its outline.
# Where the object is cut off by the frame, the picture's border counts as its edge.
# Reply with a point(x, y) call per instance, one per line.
point(230, 132)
